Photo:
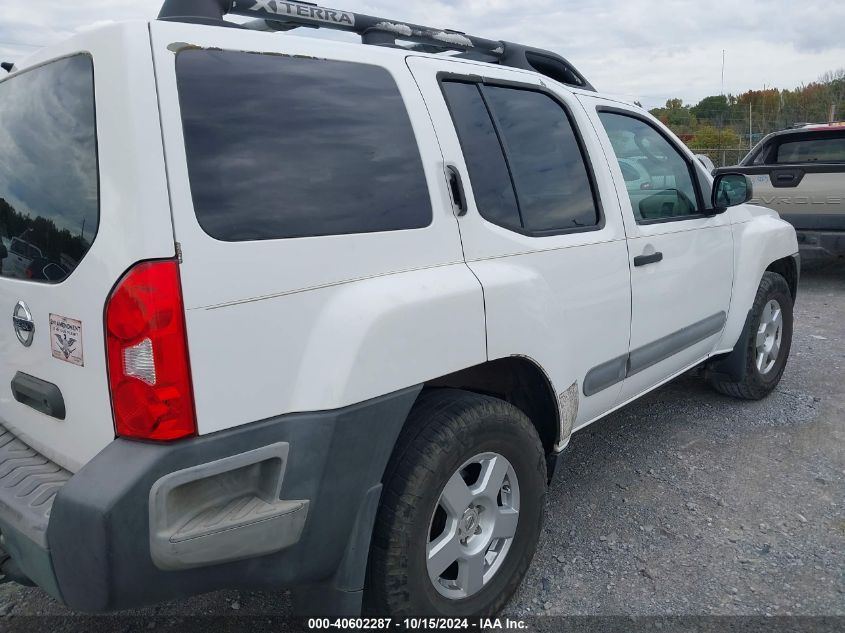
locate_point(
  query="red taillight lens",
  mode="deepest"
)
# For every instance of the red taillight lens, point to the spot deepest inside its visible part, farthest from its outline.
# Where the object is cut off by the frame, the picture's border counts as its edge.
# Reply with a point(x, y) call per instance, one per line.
point(147, 347)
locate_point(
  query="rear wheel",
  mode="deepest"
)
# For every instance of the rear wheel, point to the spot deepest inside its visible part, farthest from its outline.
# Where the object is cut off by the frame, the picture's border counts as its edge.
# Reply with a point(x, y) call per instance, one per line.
point(767, 343)
point(461, 509)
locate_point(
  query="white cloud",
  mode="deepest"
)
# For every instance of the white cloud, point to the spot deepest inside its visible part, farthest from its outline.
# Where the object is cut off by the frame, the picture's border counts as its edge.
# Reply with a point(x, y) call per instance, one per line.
point(646, 49)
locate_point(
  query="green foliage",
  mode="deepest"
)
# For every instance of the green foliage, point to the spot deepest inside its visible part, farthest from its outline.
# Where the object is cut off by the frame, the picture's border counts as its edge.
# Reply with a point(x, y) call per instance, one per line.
point(712, 109)
point(739, 122)
point(710, 137)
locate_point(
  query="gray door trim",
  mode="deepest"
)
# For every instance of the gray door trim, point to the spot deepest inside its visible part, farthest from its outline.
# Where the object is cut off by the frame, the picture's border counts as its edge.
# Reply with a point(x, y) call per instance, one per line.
point(606, 375)
point(615, 371)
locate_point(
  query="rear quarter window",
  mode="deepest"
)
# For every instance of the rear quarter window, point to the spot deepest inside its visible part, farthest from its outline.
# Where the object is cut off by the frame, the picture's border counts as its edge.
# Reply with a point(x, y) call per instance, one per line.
point(820, 149)
point(49, 191)
point(283, 147)
point(526, 165)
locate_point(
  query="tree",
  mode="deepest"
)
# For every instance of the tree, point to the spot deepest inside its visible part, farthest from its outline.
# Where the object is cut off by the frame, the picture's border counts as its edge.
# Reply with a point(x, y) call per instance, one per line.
point(834, 80)
point(714, 109)
point(677, 116)
point(731, 121)
point(712, 138)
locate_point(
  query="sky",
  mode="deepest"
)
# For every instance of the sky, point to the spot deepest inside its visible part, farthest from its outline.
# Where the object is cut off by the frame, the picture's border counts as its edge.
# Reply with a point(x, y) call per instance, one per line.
point(643, 50)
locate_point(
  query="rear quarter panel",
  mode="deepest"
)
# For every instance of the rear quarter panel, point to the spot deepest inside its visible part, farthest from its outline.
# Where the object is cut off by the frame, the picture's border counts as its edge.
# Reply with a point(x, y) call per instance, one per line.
point(316, 323)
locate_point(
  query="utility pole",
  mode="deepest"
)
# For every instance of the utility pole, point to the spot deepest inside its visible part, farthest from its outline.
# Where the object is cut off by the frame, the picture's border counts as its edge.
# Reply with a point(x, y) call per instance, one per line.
point(722, 116)
point(763, 125)
point(750, 128)
point(832, 113)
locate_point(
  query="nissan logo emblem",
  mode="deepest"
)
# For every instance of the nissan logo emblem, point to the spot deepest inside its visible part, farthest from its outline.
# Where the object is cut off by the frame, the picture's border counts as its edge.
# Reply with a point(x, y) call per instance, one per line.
point(24, 325)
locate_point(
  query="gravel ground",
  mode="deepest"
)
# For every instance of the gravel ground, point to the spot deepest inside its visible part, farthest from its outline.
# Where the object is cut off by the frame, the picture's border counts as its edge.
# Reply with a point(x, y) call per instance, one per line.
point(684, 503)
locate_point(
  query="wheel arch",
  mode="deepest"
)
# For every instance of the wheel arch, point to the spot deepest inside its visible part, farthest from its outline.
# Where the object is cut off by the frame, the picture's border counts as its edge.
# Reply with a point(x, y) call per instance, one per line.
point(766, 243)
point(790, 269)
point(521, 382)
point(730, 366)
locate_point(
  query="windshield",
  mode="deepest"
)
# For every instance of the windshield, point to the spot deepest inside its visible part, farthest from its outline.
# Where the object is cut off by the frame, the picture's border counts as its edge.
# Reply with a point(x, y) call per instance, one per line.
point(49, 199)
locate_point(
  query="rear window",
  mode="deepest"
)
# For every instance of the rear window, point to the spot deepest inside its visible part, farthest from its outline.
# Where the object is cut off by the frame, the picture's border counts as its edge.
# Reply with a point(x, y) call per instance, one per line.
point(827, 149)
point(286, 147)
point(49, 200)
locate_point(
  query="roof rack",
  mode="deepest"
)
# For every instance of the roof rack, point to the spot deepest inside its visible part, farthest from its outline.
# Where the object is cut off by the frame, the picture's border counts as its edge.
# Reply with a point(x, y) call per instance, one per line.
point(276, 15)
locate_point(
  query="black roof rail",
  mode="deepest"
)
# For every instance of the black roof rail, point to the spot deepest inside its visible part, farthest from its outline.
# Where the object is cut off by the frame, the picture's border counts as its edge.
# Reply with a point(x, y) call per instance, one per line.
point(283, 16)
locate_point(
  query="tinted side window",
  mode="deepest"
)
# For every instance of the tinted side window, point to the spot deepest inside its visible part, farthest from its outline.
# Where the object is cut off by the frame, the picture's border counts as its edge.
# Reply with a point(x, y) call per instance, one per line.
point(549, 172)
point(525, 162)
point(491, 182)
point(49, 190)
point(666, 189)
point(284, 147)
point(818, 150)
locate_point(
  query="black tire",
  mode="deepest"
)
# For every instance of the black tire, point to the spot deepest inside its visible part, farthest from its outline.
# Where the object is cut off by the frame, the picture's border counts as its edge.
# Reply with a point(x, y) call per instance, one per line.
point(446, 428)
point(754, 384)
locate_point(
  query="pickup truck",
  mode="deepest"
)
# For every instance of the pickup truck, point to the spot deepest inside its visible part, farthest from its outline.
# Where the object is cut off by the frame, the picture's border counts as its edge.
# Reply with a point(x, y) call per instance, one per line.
point(800, 174)
point(328, 313)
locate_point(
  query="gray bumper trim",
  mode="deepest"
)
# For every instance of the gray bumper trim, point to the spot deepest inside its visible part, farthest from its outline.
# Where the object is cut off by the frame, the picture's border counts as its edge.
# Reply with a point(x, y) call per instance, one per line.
point(28, 486)
point(99, 529)
point(223, 511)
point(29, 483)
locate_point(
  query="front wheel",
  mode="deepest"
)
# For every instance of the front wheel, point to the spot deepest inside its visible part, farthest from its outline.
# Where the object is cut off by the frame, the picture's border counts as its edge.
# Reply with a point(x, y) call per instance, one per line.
point(767, 343)
point(461, 509)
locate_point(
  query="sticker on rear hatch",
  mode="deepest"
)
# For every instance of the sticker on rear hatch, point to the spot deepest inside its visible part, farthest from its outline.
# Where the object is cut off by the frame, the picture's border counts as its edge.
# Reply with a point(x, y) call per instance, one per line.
point(66, 339)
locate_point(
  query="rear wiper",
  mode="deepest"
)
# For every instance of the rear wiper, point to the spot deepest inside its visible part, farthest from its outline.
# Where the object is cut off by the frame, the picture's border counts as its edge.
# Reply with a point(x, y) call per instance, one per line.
point(7, 66)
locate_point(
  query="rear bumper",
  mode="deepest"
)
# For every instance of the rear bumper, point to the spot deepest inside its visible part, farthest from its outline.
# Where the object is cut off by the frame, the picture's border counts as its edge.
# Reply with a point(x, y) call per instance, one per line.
point(820, 235)
point(287, 502)
point(821, 244)
point(28, 486)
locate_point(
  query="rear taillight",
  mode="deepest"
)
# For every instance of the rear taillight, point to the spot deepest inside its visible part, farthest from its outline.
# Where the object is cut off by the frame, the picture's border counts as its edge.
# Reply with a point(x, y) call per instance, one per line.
point(149, 374)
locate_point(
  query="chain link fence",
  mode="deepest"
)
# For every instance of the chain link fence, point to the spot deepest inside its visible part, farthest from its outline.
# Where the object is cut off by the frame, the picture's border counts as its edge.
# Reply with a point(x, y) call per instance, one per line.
point(723, 157)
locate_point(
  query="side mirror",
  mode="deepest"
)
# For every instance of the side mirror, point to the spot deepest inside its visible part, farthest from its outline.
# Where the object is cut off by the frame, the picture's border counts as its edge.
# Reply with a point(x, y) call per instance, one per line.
point(729, 190)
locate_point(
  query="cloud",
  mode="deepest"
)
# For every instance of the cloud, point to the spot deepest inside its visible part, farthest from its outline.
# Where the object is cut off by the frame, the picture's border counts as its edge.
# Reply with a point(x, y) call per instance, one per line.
point(646, 49)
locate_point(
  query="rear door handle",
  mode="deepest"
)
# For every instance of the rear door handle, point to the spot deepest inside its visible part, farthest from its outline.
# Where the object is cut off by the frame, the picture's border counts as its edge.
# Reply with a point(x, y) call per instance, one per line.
point(645, 260)
point(457, 191)
point(41, 395)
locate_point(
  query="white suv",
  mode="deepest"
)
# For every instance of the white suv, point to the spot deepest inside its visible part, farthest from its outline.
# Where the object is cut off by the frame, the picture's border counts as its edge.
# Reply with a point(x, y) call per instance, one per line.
point(329, 312)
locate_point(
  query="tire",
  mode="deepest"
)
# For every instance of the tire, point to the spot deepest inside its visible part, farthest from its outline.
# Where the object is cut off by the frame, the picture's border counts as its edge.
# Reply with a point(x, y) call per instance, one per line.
point(446, 428)
point(757, 382)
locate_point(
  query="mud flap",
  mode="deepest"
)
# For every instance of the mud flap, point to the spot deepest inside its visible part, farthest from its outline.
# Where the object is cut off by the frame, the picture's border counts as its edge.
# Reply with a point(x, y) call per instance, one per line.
point(731, 368)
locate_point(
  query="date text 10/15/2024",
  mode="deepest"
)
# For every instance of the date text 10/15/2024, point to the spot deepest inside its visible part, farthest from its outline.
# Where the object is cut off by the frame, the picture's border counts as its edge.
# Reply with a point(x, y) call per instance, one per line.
point(417, 624)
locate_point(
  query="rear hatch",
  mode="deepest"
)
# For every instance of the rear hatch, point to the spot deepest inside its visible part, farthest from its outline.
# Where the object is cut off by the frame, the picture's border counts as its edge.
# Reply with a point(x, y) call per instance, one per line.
point(82, 197)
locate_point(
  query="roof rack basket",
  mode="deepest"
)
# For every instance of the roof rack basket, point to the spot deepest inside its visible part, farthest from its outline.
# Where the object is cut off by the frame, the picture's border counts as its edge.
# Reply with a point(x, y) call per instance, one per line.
point(276, 15)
